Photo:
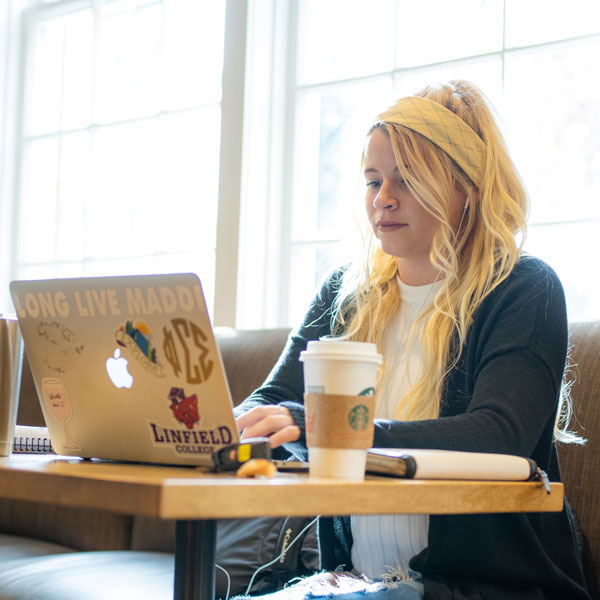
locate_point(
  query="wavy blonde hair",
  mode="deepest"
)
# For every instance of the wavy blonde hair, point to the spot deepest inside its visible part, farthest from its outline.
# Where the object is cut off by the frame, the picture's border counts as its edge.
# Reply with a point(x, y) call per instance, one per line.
point(472, 261)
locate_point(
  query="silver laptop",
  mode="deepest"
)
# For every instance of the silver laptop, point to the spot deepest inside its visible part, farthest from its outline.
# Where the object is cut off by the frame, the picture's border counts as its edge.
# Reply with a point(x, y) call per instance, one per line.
point(127, 368)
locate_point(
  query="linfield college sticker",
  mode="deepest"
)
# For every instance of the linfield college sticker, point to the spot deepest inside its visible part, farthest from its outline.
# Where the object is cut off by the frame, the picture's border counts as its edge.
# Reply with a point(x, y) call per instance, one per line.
point(136, 336)
point(189, 440)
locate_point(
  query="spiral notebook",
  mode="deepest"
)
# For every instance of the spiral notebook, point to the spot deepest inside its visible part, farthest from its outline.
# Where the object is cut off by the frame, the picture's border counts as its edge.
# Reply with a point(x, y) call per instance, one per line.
point(32, 440)
point(413, 463)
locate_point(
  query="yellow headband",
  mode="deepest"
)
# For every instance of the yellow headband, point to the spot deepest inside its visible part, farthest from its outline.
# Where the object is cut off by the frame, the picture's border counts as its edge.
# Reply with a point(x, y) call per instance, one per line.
point(444, 129)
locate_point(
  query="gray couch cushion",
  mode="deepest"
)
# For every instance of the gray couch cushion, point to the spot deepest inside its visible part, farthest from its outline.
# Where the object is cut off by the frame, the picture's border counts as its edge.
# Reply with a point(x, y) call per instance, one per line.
point(88, 576)
point(17, 546)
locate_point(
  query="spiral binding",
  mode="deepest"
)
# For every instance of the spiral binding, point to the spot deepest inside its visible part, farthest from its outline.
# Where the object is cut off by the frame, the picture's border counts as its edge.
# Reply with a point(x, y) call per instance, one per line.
point(32, 442)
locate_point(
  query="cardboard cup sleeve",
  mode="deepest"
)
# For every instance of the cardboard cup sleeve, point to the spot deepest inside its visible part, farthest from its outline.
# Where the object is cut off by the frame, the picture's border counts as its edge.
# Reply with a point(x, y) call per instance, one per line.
point(339, 421)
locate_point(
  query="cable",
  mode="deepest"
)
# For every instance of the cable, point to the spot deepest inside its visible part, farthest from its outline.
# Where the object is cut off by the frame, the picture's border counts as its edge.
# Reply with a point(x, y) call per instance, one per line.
point(281, 554)
point(228, 580)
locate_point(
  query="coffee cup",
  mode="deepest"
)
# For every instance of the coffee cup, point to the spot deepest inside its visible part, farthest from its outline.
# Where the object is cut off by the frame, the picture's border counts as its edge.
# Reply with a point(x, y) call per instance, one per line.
point(339, 386)
point(11, 359)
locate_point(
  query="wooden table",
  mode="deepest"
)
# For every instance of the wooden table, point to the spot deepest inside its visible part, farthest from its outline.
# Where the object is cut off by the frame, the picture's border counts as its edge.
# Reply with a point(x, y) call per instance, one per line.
point(196, 500)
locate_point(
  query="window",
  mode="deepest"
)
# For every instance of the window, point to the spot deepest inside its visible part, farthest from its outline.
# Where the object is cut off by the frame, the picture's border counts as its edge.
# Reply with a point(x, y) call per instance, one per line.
point(224, 137)
point(118, 138)
point(348, 59)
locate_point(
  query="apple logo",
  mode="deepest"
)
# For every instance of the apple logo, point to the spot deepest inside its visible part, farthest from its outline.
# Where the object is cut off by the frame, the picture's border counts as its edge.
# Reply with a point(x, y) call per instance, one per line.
point(116, 367)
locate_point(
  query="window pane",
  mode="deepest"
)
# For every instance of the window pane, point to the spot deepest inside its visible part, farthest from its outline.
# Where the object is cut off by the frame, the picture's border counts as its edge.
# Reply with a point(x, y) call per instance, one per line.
point(484, 73)
point(129, 66)
point(37, 208)
point(72, 198)
point(119, 218)
point(154, 186)
point(45, 87)
point(340, 39)
point(567, 249)
point(189, 166)
point(78, 76)
point(551, 110)
point(193, 60)
point(54, 270)
point(133, 186)
point(310, 264)
point(536, 21)
point(328, 189)
point(431, 31)
point(331, 130)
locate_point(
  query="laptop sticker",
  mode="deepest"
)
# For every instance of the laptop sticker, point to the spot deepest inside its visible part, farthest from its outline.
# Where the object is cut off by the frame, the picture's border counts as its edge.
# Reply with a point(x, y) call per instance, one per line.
point(58, 403)
point(62, 342)
point(187, 440)
point(185, 409)
point(186, 351)
point(137, 337)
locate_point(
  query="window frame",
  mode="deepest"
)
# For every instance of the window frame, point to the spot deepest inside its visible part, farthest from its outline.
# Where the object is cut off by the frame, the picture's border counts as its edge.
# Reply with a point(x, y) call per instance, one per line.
point(292, 91)
point(256, 161)
point(15, 21)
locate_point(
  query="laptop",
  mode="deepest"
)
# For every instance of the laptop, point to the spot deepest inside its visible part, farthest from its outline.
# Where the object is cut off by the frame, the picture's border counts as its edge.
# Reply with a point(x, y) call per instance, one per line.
point(127, 367)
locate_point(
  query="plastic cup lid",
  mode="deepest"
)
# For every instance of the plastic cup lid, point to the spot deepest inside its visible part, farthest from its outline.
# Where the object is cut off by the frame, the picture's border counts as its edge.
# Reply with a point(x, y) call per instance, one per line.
point(332, 349)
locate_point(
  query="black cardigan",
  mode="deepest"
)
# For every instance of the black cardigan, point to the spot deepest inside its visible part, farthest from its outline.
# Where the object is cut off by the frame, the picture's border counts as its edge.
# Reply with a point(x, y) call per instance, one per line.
point(501, 397)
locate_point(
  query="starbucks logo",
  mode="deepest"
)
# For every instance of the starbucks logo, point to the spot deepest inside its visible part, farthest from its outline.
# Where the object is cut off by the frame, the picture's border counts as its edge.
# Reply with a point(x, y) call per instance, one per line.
point(368, 392)
point(359, 417)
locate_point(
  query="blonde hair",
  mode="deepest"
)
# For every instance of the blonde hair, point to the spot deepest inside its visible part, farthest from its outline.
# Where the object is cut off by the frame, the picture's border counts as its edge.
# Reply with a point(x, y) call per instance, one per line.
point(472, 261)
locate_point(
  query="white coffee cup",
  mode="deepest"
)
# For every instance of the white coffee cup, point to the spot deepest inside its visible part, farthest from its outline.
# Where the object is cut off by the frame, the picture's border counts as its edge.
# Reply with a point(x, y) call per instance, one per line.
point(334, 367)
point(11, 359)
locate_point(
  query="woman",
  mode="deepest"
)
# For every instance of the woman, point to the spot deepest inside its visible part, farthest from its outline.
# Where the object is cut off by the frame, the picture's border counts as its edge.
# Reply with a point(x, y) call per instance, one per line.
point(474, 338)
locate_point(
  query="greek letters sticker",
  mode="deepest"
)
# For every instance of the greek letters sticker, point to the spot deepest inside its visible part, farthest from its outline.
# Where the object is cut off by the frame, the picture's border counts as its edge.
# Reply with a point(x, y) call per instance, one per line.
point(136, 336)
point(185, 349)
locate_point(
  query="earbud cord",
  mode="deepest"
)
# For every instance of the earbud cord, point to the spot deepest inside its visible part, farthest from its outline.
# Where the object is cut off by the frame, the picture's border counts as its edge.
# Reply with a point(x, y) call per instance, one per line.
point(228, 580)
point(281, 554)
point(267, 564)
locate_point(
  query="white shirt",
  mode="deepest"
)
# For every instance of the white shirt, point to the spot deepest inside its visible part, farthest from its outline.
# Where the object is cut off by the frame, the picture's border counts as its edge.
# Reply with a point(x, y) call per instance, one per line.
point(383, 544)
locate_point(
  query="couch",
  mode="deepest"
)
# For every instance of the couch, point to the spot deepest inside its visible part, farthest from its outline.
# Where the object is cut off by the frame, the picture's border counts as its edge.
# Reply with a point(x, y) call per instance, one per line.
point(49, 552)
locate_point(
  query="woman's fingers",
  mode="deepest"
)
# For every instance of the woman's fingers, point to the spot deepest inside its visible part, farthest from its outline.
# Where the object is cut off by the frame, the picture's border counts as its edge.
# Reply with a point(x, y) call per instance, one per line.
point(284, 436)
point(267, 426)
point(259, 413)
point(272, 421)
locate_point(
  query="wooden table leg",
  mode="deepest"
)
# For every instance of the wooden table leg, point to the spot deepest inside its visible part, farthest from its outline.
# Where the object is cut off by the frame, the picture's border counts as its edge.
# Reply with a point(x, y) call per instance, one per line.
point(195, 543)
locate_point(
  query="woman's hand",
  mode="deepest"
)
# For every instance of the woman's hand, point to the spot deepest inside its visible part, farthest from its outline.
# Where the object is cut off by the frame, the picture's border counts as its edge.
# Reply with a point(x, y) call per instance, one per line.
point(269, 420)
